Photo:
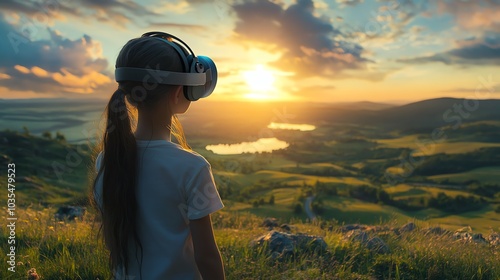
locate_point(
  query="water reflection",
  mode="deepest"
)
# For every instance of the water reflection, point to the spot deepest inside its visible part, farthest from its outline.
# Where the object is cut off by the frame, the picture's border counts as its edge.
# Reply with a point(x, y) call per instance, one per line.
point(292, 126)
point(259, 146)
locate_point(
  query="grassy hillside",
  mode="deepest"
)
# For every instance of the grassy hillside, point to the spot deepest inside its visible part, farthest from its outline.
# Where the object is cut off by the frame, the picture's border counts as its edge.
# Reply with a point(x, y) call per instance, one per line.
point(71, 250)
point(342, 163)
point(52, 172)
point(48, 171)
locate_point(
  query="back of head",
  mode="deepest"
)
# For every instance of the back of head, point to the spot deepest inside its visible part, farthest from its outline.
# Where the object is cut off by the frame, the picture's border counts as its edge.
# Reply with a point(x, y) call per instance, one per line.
point(149, 53)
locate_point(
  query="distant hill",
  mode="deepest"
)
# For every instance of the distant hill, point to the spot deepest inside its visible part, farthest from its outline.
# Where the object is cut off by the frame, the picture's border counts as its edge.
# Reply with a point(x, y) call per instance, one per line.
point(413, 117)
point(435, 113)
point(236, 121)
point(362, 105)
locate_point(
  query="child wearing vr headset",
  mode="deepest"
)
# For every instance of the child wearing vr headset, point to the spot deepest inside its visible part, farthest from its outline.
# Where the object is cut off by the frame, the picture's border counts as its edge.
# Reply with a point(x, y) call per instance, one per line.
point(154, 196)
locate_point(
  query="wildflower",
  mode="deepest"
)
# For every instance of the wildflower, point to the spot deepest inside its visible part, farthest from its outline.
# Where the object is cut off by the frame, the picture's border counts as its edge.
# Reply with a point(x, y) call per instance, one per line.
point(51, 228)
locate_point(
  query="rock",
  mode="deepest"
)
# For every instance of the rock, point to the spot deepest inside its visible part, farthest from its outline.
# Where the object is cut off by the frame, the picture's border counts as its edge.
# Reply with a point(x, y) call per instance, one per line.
point(326, 226)
point(470, 237)
point(377, 228)
point(464, 229)
point(467, 236)
point(461, 235)
point(372, 243)
point(70, 212)
point(478, 238)
point(270, 223)
point(350, 227)
point(408, 227)
point(436, 231)
point(281, 244)
point(357, 235)
point(286, 227)
point(494, 239)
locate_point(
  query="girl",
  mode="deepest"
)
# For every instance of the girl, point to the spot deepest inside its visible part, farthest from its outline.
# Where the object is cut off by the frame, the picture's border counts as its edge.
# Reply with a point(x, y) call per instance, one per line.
point(155, 197)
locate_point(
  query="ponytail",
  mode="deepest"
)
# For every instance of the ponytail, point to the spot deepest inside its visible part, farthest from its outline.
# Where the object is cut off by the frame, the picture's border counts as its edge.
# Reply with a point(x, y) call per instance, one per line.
point(119, 183)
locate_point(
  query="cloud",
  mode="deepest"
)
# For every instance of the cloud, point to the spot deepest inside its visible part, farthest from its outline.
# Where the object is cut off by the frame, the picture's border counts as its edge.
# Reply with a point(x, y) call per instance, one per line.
point(184, 27)
point(479, 90)
point(480, 15)
point(122, 11)
point(307, 42)
point(473, 51)
point(115, 12)
point(318, 90)
point(350, 2)
point(180, 7)
point(390, 21)
point(52, 65)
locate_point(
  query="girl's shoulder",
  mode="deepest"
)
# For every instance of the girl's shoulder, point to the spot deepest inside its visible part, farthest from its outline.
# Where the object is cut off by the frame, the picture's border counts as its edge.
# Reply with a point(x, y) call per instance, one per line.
point(189, 157)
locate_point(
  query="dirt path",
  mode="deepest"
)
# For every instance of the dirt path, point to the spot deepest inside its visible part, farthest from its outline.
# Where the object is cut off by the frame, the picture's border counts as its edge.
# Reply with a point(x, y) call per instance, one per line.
point(308, 208)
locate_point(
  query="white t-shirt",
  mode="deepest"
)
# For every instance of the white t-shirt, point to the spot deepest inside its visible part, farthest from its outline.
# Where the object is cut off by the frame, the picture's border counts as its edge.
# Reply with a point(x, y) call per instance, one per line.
point(174, 186)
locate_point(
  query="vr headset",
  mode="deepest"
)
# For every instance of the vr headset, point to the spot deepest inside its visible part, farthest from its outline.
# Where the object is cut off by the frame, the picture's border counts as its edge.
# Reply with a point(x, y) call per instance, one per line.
point(199, 77)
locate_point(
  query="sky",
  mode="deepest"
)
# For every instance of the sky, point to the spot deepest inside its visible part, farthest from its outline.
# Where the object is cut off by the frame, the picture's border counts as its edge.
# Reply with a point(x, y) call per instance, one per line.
point(302, 50)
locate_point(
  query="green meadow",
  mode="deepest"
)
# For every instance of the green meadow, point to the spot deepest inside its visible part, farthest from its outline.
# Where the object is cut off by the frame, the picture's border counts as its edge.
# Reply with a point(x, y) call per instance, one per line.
point(372, 170)
point(72, 250)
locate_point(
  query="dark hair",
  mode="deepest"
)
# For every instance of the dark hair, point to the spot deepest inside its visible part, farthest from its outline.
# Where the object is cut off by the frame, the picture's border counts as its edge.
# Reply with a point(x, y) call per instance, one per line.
point(118, 145)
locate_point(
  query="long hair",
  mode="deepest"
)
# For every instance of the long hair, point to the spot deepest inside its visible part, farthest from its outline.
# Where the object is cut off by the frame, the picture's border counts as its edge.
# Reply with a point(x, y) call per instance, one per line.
point(119, 161)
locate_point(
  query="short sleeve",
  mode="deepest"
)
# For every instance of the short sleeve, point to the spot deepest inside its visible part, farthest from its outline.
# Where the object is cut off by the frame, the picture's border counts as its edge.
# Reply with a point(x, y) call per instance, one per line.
point(202, 195)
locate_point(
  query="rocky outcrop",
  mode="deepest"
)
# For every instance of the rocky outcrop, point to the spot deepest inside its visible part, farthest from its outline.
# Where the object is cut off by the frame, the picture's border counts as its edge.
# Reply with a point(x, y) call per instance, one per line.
point(281, 245)
point(409, 227)
point(494, 239)
point(373, 243)
point(466, 235)
point(436, 231)
point(70, 213)
point(270, 223)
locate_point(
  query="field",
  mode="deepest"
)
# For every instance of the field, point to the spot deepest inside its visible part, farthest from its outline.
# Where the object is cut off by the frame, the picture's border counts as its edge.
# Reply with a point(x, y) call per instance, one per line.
point(485, 174)
point(343, 167)
point(71, 250)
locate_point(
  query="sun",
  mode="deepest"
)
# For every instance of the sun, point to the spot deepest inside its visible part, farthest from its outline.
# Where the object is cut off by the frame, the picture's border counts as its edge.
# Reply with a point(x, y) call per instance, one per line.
point(259, 80)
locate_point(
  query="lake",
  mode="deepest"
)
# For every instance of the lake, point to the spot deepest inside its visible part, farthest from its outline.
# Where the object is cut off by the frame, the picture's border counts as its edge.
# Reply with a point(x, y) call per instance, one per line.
point(262, 144)
point(259, 146)
point(292, 126)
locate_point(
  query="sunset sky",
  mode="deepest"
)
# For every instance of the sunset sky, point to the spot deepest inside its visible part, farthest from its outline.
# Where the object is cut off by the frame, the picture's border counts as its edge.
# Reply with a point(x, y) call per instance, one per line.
point(324, 50)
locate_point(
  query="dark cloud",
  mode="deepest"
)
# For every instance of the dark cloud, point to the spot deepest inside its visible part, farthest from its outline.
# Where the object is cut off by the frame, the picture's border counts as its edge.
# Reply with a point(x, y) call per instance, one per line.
point(117, 12)
point(51, 65)
point(111, 10)
point(350, 2)
point(307, 42)
point(473, 51)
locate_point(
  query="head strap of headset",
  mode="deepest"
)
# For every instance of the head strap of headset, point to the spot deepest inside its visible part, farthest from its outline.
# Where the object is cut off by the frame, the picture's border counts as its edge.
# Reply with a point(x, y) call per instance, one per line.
point(195, 76)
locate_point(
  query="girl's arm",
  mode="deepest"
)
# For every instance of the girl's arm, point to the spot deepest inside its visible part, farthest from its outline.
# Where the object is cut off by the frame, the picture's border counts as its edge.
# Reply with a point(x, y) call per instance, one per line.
point(206, 253)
